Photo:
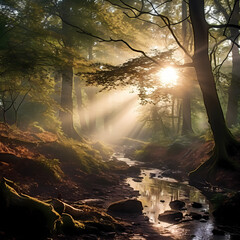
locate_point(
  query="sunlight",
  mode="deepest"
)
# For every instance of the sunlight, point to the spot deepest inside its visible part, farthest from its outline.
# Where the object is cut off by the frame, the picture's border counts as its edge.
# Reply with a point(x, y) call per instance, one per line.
point(168, 77)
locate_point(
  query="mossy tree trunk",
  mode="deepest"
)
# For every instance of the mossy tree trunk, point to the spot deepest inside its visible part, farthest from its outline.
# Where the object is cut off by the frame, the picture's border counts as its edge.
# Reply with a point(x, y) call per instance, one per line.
point(224, 141)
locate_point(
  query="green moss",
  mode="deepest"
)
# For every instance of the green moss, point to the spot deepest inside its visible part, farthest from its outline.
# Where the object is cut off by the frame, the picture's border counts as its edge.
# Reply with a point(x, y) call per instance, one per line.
point(70, 226)
point(85, 157)
point(22, 215)
point(51, 167)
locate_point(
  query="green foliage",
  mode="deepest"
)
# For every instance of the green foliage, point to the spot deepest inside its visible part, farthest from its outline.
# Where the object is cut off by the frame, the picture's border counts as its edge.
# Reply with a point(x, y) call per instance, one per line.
point(207, 136)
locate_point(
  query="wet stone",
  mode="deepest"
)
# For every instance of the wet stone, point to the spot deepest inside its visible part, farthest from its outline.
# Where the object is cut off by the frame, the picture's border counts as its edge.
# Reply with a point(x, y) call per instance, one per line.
point(137, 180)
point(152, 175)
point(126, 206)
point(206, 217)
point(195, 216)
point(197, 205)
point(170, 216)
point(177, 205)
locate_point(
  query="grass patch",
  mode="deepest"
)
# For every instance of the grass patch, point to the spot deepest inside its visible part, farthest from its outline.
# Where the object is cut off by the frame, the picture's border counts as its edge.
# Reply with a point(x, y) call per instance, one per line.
point(83, 155)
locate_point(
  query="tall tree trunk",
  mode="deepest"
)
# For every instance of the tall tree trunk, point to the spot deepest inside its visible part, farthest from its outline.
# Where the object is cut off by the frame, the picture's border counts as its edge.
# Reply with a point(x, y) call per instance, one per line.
point(224, 141)
point(66, 115)
point(186, 103)
point(234, 89)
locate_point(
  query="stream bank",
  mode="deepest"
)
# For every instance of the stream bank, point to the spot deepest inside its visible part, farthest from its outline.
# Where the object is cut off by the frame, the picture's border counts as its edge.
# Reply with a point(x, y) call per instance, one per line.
point(157, 192)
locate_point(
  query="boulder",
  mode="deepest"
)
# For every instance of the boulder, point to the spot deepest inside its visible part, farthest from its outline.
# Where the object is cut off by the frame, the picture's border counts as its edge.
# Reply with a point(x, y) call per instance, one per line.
point(177, 205)
point(126, 206)
point(170, 216)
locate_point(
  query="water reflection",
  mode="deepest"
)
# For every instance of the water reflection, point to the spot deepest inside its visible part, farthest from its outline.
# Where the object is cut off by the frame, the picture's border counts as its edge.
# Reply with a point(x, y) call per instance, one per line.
point(156, 194)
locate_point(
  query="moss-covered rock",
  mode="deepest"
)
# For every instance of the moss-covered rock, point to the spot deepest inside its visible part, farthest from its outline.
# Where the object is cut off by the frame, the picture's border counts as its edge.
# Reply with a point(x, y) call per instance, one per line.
point(70, 226)
point(22, 215)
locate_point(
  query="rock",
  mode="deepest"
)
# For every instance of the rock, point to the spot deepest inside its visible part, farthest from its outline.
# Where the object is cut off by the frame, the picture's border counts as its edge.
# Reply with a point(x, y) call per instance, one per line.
point(197, 205)
point(137, 180)
point(162, 201)
point(219, 232)
point(170, 216)
point(195, 216)
point(167, 173)
point(25, 215)
point(177, 205)
point(152, 175)
point(206, 217)
point(126, 206)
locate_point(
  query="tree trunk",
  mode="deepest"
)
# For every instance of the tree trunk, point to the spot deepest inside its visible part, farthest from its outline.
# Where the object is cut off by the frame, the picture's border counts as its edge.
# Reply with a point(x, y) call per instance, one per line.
point(234, 89)
point(66, 115)
point(224, 141)
point(186, 103)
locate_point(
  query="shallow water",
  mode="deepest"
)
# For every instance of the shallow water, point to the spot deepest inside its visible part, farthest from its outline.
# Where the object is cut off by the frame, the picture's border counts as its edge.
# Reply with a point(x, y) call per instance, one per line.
point(157, 192)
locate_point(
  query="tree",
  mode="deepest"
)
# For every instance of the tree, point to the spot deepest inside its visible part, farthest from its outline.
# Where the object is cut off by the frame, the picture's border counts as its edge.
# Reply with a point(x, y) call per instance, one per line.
point(225, 143)
point(26, 58)
point(186, 105)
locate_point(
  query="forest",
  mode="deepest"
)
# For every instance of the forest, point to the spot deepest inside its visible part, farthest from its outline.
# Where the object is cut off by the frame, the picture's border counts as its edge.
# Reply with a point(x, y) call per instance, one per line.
point(119, 119)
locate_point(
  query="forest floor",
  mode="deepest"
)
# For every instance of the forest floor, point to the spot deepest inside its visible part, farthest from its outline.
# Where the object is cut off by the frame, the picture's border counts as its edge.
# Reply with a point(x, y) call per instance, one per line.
point(23, 160)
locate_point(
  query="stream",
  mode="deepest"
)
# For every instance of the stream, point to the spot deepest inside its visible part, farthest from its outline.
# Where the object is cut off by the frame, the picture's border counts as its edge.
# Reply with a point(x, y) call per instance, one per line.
point(156, 192)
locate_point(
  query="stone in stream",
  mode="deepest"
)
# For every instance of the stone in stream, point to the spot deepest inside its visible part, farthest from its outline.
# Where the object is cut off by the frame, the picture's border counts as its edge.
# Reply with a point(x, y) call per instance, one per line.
point(152, 175)
point(197, 205)
point(170, 216)
point(137, 180)
point(126, 206)
point(195, 216)
point(177, 205)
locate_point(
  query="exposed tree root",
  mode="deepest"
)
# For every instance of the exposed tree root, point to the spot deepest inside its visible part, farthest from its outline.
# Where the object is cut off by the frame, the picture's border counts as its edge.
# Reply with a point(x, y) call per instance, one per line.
point(224, 158)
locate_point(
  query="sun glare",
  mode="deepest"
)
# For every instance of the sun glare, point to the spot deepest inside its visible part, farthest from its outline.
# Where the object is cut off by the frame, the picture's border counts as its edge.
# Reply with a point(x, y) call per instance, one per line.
point(168, 77)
